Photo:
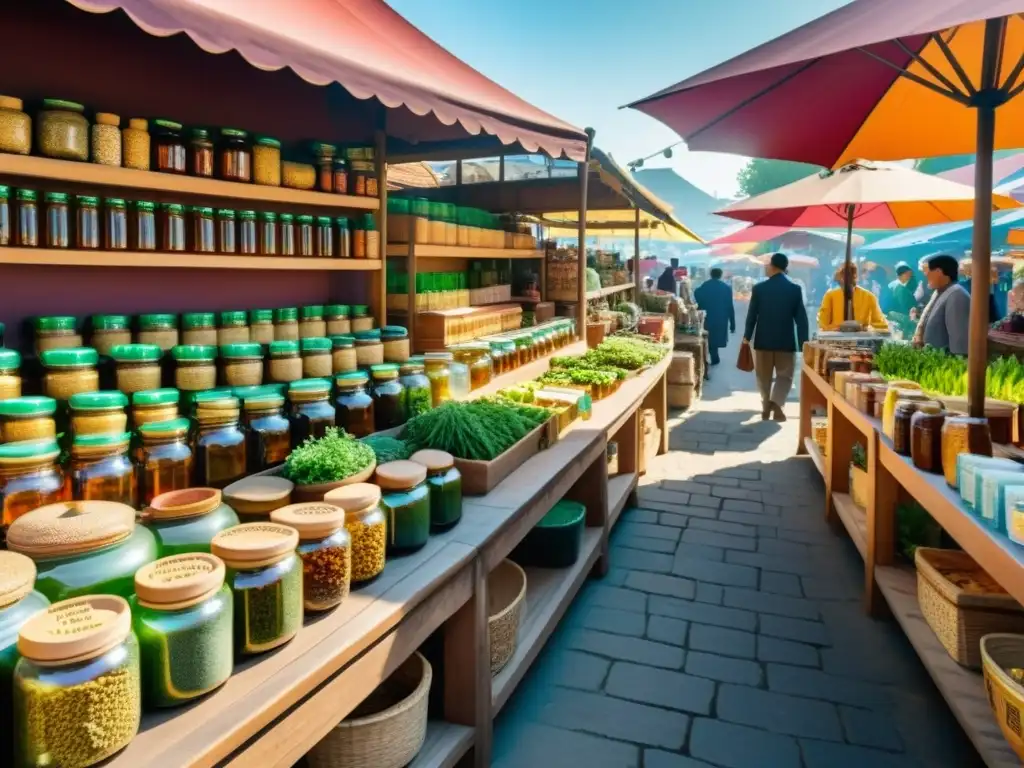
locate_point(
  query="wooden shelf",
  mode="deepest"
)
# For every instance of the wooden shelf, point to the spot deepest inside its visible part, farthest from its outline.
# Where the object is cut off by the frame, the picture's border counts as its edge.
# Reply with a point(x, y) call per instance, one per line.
point(815, 454)
point(854, 519)
point(619, 489)
point(963, 689)
point(93, 175)
point(425, 251)
point(609, 290)
point(444, 746)
point(860, 421)
point(818, 382)
point(156, 260)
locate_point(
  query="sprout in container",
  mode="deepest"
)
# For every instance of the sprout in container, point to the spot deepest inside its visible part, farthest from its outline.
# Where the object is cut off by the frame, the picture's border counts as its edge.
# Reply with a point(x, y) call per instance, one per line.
point(320, 464)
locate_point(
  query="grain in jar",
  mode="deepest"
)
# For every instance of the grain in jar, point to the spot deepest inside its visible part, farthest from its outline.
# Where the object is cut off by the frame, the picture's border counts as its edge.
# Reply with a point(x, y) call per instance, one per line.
point(286, 324)
point(106, 139)
point(200, 153)
point(137, 367)
point(369, 349)
point(343, 354)
point(963, 434)
point(15, 127)
point(309, 409)
point(311, 322)
point(367, 528)
point(219, 444)
point(361, 319)
point(158, 329)
point(164, 461)
point(353, 405)
point(108, 331)
point(266, 161)
point(26, 218)
point(62, 131)
point(10, 374)
point(283, 363)
point(69, 371)
point(186, 520)
point(98, 413)
point(29, 477)
point(199, 328)
point(233, 328)
point(100, 469)
point(344, 246)
point(266, 234)
point(242, 364)
point(926, 438)
point(405, 500)
point(194, 367)
point(170, 154)
point(298, 175)
point(58, 223)
point(261, 326)
point(369, 226)
point(267, 430)
point(325, 549)
point(27, 418)
point(171, 227)
point(445, 484)
point(154, 405)
point(337, 318)
point(395, 339)
point(317, 358)
point(142, 226)
point(136, 144)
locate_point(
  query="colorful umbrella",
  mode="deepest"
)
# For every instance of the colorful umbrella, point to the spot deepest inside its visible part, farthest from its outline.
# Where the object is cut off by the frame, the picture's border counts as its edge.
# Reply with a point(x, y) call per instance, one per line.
point(756, 233)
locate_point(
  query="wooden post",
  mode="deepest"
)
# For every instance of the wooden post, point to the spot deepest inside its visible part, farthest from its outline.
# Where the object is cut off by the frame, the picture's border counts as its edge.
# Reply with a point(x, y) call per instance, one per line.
point(581, 255)
point(883, 498)
point(637, 280)
point(848, 266)
point(379, 281)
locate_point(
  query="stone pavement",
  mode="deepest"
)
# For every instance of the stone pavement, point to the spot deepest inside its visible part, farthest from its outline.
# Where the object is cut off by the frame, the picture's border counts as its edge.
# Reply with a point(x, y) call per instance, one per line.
point(728, 631)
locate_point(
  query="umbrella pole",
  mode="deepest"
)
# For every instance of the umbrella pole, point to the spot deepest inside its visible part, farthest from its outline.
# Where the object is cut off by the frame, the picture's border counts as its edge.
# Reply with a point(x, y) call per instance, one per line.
point(981, 253)
point(637, 280)
point(848, 267)
point(583, 169)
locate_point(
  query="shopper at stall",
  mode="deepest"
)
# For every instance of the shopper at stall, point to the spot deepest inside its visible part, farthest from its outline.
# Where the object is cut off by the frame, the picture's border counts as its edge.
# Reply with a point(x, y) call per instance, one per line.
point(899, 294)
point(865, 306)
point(947, 317)
point(776, 328)
point(667, 279)
point(714, 296)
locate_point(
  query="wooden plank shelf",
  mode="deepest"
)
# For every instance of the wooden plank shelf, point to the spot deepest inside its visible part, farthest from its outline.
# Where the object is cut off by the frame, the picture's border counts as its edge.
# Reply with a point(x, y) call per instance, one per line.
point(445, 745)
point(620, 488)
point(858, 420)
point(600, 293)
point(59, 257)
point(426, 251)
point(815, 453)
point(854, 519)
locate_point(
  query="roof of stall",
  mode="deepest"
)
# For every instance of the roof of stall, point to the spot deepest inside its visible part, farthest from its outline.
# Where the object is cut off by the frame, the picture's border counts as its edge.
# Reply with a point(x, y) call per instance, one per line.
point(618, 224)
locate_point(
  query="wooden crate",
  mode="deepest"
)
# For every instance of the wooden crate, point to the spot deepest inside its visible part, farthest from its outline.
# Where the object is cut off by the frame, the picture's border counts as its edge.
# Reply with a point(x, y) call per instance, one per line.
point(436, 330)
point(482, 477)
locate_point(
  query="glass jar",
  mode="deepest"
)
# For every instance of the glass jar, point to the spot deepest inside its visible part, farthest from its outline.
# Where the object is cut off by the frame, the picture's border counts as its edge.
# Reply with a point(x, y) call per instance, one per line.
point(323, 245)
point(479, 361)
point(186, 520)
point(405, 499)
point(199, 329)
point(234, 328)
point(343, 354)
point(963, 434)
point(83, 547)
point(309, 409)
point(396, 343)
point(169, 152)
point(388, 397)
point(27, 418)
point(6, 228)
point(182, 617)
point(358, 241)
point(59, 332)
point(266, 161)
point(29, 477)
point(344, 239)
point(288, 247)
point(15, 127)
point(159, 329)
point(194, 367)
point(135, 142)
point(10, 376)
point(98, 413)
point(115, 224)
point(437, 366)
point(324, 154)
point(226, 241)
point(268, 433)
point(362, 179)
point(284, 364)
point(200, 153)
point(58, 228)
point(26, 219)
point(325, 548)
point(361, 320)
point(901, 426)
point(265, 576)
point(100, 469)
point(218, 445)
point(445, 484)
point(304, 238)
point(106, 139)
point(353, 406)
point(69, 372)
point(172, 228)
point(242, 364)
point(247, 239)
point(366, 526)
point(204, 230)
point(77, 687)
point(926, 438)
point(369, 225)
point(154, 405)
point(418, 392)
point(317, 360)
point(369, 349)
point(235, 162)
point(164, 461)
point(286, 324)
point(499, 362)
point(62, 131)
point(137, 367)
point(337, 317)
point(87, 223)
point(311, 322)
point(261, 326)
point(142, 232)
point(340, 176)
point(266, 234)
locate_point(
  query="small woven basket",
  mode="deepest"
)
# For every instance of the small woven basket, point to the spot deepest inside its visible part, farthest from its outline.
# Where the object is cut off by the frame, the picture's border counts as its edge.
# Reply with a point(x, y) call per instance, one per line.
point(506, 597)
point(1000, 653)
point(959, 618)
point(385, 731)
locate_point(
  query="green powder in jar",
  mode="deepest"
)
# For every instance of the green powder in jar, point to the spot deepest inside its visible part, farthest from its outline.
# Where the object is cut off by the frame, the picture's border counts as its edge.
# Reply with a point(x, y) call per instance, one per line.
point(267, 616)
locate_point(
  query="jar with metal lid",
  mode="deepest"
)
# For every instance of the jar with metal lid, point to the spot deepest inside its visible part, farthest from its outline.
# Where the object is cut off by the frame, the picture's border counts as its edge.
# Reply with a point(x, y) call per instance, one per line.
point(309, 409)
point(26, 219)
point(137, 367)
point(172, 228)
point(233, 329)
point(169, 152)
point(437, 365)
point(115, 224)
point(29, 477)
point(62, 131)
point(369, 349)
point(200, 153)
point(317, 360)
point(267, 431)
point(247, 238)
point(325, 549)
point(199, 328)
point(344, 249)
point(27, 418)
point(418, 392)
point(395, 339)
point(261, 326)
point(405, 499)
point(204, 230)
point(6, 226)
point(100, 469)
point(98, 413)
point(182, 614)
point(963, 434)
point(287, 235)
point(154, 405)
point(59, 332)
point(388, 397)
point(136, 144)
point(304, 236)
point(311, 322)
point(324, 154)
point(194, 367)
point(108, 331)
point(445, 484)
point(83, 547)
point(340, 176)
point(361, 319)
point(367, 528)
point(323, 244)
point(226, 238)
point(87, 222)
point(926, 438)
point(219, 444)
point(142, 227)
point(79, 668)
point(337, 317)
point(242, 364)
point(343, 354)
point(164, 461)
point(106, 139)
point(158, 329)
point(266, 161)
point(186, 520)
point(265, 576)
point(362, 179)
point(10, 374)
point(353, 406)
point(15, 127)
point(58, 228)
point(286, 324)
point(283, 362)
point(266, 234)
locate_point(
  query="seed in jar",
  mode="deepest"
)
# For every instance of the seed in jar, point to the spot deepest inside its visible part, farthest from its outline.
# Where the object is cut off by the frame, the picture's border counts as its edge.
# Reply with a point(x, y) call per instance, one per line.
point(369, 545)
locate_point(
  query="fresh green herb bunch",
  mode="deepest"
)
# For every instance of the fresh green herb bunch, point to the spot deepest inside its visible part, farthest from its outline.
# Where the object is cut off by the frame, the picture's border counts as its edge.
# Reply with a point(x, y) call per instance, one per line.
point(387, 448)
point(937, 371)
point(588, 363)
point(629, 352)
point(859, 457)
point(479, 430)
point(578, 376)
point(333, 457)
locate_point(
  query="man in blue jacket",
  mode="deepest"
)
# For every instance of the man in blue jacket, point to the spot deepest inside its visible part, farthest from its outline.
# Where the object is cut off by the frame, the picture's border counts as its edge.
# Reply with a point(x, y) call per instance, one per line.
point(776, 311)
point(714, 296)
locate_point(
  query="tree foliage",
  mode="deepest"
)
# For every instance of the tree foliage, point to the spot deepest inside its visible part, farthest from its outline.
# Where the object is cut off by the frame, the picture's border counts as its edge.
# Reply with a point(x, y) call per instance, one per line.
point(760, 175)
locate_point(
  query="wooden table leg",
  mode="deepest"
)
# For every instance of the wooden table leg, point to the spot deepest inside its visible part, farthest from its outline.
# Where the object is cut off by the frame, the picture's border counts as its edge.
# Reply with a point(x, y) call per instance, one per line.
point(467, 668)
point(883, 500)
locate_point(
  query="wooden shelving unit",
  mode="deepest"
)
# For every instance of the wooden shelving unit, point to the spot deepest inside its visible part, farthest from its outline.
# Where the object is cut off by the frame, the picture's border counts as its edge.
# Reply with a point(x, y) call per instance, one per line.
point(854, 520)
point(426, 251)
point(56, 257)
point(815, 453)
point(610, 290)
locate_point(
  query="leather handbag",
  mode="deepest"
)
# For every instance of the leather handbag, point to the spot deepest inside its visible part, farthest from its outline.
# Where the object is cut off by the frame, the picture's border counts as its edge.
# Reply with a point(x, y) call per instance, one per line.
point(745, 361)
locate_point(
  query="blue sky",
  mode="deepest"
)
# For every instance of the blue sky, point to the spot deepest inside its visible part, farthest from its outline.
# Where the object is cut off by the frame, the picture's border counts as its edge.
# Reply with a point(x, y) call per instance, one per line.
point(582, 59)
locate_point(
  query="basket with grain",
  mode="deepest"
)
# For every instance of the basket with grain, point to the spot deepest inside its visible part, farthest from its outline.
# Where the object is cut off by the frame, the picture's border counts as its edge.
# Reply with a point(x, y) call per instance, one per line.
point(1002, 660)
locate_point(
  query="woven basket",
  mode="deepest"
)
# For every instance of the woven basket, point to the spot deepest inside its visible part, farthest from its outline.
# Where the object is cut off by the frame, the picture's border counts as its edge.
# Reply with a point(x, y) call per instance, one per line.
point(1005, 695)
point(506, 598)
point(957, 617)
point(385, 731)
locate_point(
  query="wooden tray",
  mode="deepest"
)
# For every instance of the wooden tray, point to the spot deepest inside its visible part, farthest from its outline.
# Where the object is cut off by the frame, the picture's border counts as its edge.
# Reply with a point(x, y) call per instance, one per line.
point(482, 477)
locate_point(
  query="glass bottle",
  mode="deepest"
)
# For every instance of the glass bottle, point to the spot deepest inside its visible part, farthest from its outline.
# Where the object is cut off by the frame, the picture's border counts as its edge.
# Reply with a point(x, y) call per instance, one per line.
point(226, 231)
point(323, 245)
point(405, 499)
point(309, 411)
point(287, 234)
point(353, 406)
point(165, 459)
point(418, 392)
point(58, 229)
point(200, 153)
point(267, 431)
point(438, 371)
point(247, 244)
point(169, 153)
point(62, 130)
point(204, 237)
point(29, 477)
point(388, 397)
point(142, 236)
point(325, 548)
point(235, 155)
point(185, 520)
point(100, 470)
point(6, 234)
point(115, 224)
point(341, 176)
point(26, 231)
point(325, 166)
point(366, 526)
point(445, 484)
point(172, 227)
point(304, 238)
point(267, 234)
point(219, 445)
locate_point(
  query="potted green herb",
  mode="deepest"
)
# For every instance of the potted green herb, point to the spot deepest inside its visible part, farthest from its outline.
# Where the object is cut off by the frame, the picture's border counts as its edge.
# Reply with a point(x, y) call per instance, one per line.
point(859, 476)
point(320, 465)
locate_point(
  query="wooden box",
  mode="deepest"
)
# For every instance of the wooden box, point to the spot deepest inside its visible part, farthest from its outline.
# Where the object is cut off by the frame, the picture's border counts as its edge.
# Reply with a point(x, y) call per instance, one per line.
point(482, 477)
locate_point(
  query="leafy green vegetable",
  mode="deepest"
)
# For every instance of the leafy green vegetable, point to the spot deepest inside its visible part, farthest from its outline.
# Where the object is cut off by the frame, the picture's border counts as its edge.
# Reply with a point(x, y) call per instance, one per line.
point(333, 457)
point(859, 457)
point(479, 430)
point(387, 448)
point(937, 371)
point(915, 528)
point(626, 351)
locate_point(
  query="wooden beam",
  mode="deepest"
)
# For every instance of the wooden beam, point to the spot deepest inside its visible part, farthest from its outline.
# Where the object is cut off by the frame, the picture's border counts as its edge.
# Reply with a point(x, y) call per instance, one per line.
point(379, 282)
point(581, 256)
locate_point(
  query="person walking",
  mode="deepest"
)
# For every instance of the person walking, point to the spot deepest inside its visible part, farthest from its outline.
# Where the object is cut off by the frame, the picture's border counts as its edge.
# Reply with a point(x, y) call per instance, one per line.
point(714, 296)
point(776, 329)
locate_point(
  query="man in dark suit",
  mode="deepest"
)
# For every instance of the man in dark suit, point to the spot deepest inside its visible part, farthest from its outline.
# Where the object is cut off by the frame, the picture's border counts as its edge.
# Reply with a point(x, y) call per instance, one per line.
point(667, 279)
point(714, 296)
point(776, 307)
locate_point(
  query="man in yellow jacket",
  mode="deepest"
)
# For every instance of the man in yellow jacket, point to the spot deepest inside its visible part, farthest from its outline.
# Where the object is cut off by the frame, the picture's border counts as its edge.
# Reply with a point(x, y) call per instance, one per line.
point(865, 307)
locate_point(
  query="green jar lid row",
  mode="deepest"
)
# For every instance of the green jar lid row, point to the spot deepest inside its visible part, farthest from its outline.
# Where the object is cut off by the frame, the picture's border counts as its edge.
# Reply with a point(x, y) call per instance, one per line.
point(310, 385)
point(164, 428)
point(28, 406)
point(158, 321)
point(29, 449)
point(343, 341)
point(9, 358)
point(304, 219)
point(136, 353)
point(111, 322)
point(70, 357)
point(315, 344)
point(337, 310)
point(26, 195)
point(286, 315)
point(225, 213)
point(284, 347)
point(241, 350)
point(312, 312)
point(194, 352)
point(98, 401)
point(260, 316)
point(145, 205)
point(233, 318)
point(149, 397)
point(247, 215)
point(52, 323)
point(196, 320)
point(102, 440)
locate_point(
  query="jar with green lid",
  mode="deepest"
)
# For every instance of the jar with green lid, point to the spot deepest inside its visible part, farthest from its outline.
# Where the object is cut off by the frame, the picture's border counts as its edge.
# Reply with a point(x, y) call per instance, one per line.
point(136, 141)
point(58, 227)
point(286, 324)
point(194, 367)
point(199, 328)
point(369, 349)
point(29, 477)
point(325, 549)
point(87, 222)
point(265, 577)
point(399, 220)
point(418, 392)
point(83, 547)
point(438, 370)
point(154, 405)
point(62, 131)
point(200, 153)
point(26, 218)
point(115, 224)
point(309, 409)
point(203, 228)
point(396, 343)
point(218, 444)
point(137, 367)
point(15, 127)
point(388, 397)
point(445, 484)
point(69, 372)
point(242, 364)
point(234, 161)
point(18, 603)
point(311, 322)
point(343, 354)
point(283, 362)
point(508, 349)
point(304, 236)
point(247, 238)
point(226, 235)
point(337, 318)
point(98, 413)
point(6, 227)
point(366, 526)
point(286, 235)
point(164, 462)
point(324, 155)
point(27, 418)
point(10, 374)
point(353, 405)
point(233, 328)
point(182, 615)
point(159, 329)
point(344, 246)
point(108, 331)
point(480, 368)
point(499, 363)
point(266, 161)
point(142, 226)
point(266, 234)
point(171, 228)
point(405, 501)
point(261, 326)
point(323, 238)
point(79, 669)
point(187, 519)
point(170, 154)
point(361, 319)
point(101, 470)
point(316, 357)
point(268, 432)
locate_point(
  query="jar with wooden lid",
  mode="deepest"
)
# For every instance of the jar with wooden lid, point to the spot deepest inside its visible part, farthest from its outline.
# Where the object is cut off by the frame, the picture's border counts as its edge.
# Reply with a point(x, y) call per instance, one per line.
point(29, 477)
point(367, 528)
point(311, 322)
point(101, 470)
point(200, 153)
point(445, 484)
point(286, 324)
point(343, 354)
point(187, 519)
point(137, 367)
point(325, 549)
point(159, 329)
point(261, 326)
point(267, 431)
point(265, 576)
point(218, 444)
point(963, 434)
point(83, 547)
point(255, 497)
point(199, 328)
point(438, 370)
point(926, 438)
point(79, 669)
point(136, 144)
point(26, 218)
point(353, 405)
point(98, 413)
point(170, 154)
point(164, 460)
point(395, 339)
point(418, 393)
point(369, 349)
point(15, 127)
point(27, 418)
point(337, 317)
point(106, 139)
point(361, 319)
point(62, 130)
point(154, 405)
point(242, 364)
point(405, 499)
point(317, 358)
point(195, 367)
point(182, 614)
point(283, 362)
point(309, 409)
point(56, 333)
point(108, 331)
point(233, 328)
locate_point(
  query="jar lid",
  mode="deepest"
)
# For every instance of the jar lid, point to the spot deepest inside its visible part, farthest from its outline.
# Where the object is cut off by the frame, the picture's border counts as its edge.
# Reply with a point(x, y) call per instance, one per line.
point(233, 133)
point(433, 460)
point(322, 148)
point(179, 581)
point(312, 519)
point(108, 118)
point(312, 312)
point(200, 133)
point(970, 421)
point(400, 475)
point(75, 630)
point(98, 401)
point(351, 379)
point(60, 197)
point(343, 341)
point(268, 216)
point(287, 218)
point(69, 357)
point(337, 310)
point(225, 213)
point(175, 208)
point(259, 494)
point(261, 316)
point(384, 371)
point(216, 399)
point(145, 205)
point(101, 440)
point(73, 106)
point(194, 352)
point(247, 215)
point(355, 497)
point(169, 125)
point(155, 322)
point(138, 123)
point(310, 387)
point(28, 195)
point(286, 314)
point(284, 347)
point(315, 344)
point(242, 349)
point(930, 409)
point(17, 577)
point(360, 310)
point(373, 334)
point(304, 219)
point(9, 358)
point(55, 323)
point(233, 318)
point(29, 449)
point(262, 401)
point(114, 202)
point(193, 320)
point(110, 322)
point(409, 367)
point(437, 357)
point(254, 544)
point(182, 503)
point(136, 353)
point(369, 221)
point(28, 406)
point(393, 330)
point(267, 141)
point(167, 428)
point(323, 221)
point(148, 397)
point(12, 102)
point(70, 527)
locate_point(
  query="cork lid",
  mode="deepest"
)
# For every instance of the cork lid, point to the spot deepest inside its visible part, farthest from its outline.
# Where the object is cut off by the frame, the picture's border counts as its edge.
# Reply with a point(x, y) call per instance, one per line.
point(355, 497)
point(179, 581)
point(312, 519)
point(252, 545)
point(400, 475)
point(433, 460)
point(259, 494)
point(187, 502)
point(70, 527)
point(75, 630)
point(17, 577)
